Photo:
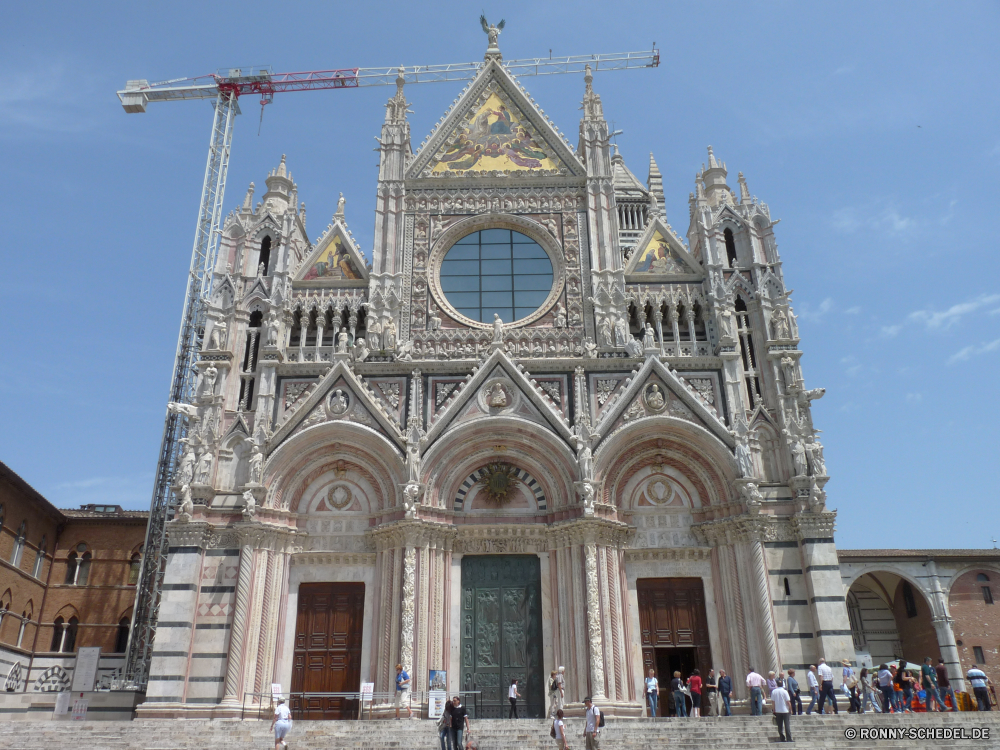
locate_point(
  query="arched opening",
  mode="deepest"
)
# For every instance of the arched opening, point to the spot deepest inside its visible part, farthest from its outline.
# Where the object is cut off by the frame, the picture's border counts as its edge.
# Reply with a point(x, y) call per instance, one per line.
point(15, 558)
point(4, 609)
point(69, 641)
point(121, 640)
point(78, 566)
point(39, 559)
point(749, 356)
point(264, 259)
point(58, 632)
point(891, 619)
point(730, 247)
point(788, 589)
point(25, 619)
point(133, 569)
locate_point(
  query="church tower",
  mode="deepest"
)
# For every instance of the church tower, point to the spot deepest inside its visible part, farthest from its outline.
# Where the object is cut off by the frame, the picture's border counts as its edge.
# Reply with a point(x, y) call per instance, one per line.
point(540, 429)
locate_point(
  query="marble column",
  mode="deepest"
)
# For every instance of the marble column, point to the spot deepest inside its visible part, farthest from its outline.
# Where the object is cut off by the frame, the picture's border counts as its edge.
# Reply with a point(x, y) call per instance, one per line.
point(237, 633)
point(942, 623)
point(595, 639)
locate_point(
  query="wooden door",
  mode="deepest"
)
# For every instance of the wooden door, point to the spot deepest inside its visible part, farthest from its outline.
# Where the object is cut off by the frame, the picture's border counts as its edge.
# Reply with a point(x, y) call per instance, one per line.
point(328, 649)
point(672, 616)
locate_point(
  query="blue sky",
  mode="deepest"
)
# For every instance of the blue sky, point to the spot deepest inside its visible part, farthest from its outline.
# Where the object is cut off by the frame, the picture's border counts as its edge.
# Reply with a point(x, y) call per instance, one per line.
point(869, 128)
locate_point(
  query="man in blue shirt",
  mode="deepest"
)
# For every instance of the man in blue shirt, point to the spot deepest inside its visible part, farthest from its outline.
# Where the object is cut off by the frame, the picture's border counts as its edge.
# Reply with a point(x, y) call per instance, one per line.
point(403, 690)
point(725, 691)
point(978, 678)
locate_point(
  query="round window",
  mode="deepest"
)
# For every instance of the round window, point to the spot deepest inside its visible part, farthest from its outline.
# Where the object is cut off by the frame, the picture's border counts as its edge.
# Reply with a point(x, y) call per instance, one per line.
point(496, 271)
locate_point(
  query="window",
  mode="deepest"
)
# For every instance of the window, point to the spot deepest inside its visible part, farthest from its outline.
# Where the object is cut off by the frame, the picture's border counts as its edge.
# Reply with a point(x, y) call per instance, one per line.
point(265, 256)
point(78, 566)
point(730, 247)
point(983, 578)
point(64, 635)
point(15, 558)
point(4, 606)
point(749, 356)
point(58, 630)
point(121, 642)
point(69, 641)
point(978, 655)
point(788, 589)
point(908, 601)
point(39, 559)
point(987, 594)
point(25, 619)
point(133, 569)
point(496, 271)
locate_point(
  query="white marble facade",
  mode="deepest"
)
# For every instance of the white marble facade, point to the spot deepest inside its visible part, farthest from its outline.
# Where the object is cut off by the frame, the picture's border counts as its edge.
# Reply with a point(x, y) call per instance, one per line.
point(651, 412)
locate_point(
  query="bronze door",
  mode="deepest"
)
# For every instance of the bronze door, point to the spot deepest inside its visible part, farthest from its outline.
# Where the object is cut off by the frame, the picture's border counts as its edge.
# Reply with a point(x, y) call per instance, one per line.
point(328, 649)
point(502, 633)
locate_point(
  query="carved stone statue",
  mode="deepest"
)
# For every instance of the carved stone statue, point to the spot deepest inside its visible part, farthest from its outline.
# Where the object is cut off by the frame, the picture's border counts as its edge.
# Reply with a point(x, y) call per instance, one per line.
point(497, 329)
point(374, 336)
point(389, 335)
point(404, 351)
point(256, 465)
point(208, 377)
point(589, 348)
point(649, 337)
point(744, 458)
point(726, 323)
point(338, 402)
point(498, 399)
point(780, 325)
point(410, 494)
point(788, 372)
point(261, 269)
point(413, 462)
point(560, 316)
point(187, 410)
point(273, 331)
point(587, 492)
point(814, 449)
point(633, 347)
point(203, 471)
point(342, 341)
point(340, 205)
point(799, 458)
point(360, 349)
point(185, 468)
point(434, 321)
point(218, 338)
point(752, 496)
point(621, 332)
point(249, 506)
point(654, 397)
point(585, 459)
point(607, 331)
point(492, 32)
point(186, 507)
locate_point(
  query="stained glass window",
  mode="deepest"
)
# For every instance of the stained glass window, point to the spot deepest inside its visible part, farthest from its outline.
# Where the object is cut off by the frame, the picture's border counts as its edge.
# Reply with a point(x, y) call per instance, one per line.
point(496, 271)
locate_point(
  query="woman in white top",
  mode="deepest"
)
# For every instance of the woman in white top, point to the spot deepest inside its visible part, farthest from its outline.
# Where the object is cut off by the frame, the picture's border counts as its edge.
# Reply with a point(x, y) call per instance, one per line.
point(559, 730)
point(513, 695)
point(652, 694)
point(281, 723)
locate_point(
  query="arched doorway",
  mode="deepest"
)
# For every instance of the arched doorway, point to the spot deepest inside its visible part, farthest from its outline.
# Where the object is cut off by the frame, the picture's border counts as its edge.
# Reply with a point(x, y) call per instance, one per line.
point(890, 619)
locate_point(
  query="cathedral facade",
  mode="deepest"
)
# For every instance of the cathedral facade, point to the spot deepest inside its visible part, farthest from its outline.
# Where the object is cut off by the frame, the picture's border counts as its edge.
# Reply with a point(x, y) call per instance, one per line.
point(540, 429)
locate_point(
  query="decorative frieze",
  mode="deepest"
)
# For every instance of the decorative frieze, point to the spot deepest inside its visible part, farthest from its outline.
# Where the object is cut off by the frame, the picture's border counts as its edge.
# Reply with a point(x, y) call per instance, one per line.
point(744, 528)
point(333, 558)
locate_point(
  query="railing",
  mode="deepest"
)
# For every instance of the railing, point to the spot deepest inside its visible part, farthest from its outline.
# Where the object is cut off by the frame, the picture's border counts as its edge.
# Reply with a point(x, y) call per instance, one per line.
point(261, 705)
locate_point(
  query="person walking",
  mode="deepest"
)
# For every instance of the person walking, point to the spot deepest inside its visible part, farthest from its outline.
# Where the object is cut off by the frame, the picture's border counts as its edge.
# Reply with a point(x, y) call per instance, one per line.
point(513, 695)
point(402, 690)
point(459, 722)
point(886, 688)
point(813, 683)
point(561, 688)
point(906, 682)
point(677, 688)
point(281, 724)
point(553, 692)
point(726, 691)
point(782, 707)
point(756, 684)
point(826, 686)
point(850, 682)
point(444, 727)
point(711, 695)
point(978, 679)
point(944, 685)
point(897, 685)
point(928, 681)
point(559, 731)
point(794, 692)
point(694, 685)
point(865, 686)
point(772, 683)
point(592, 728)
point(652, 694)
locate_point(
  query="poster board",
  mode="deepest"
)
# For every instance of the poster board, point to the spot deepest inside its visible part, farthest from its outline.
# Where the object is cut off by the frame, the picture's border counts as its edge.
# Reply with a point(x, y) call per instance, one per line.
point(367, 695)
point(437, 679)
point(275, 691)
point(435, 703)
point(85, 671)
point(80, 709)
point(62, 702)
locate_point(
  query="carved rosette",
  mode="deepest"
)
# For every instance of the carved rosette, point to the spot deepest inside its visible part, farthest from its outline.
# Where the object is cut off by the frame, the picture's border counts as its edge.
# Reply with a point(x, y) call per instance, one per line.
point(408, 607)
point(594, 623)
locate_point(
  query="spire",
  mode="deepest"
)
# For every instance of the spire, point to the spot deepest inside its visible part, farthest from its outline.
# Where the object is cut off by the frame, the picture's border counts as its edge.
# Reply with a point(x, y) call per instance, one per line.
point(283, 172)
point(395, 108)
point(744, 190)
point(714, 177)
point(655, 184)
point(712, 163)
point(280, 189)
point(248, 201)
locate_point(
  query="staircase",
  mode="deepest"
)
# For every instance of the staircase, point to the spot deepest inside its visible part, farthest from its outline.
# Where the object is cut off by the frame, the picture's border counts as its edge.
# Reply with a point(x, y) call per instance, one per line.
point(731, 733)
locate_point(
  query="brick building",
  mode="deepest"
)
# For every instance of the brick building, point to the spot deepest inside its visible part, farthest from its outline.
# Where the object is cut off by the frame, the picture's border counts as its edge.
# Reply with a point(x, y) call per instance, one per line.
point(67, 579)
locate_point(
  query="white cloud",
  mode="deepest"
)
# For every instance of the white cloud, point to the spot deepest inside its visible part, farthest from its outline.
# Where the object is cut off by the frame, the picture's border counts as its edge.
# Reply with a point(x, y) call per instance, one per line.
point(967, 352)
point(882, 217)
point(947, 318)
point(50, 98)
point(853, 367)
point(853, 310)
point(807, 313)
point(843, 69)
point(914, 398)
point(890, 331)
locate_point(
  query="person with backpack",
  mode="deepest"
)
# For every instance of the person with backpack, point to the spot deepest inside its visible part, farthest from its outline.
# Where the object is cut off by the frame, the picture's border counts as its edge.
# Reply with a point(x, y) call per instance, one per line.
point(558, 731)
point(592, 729)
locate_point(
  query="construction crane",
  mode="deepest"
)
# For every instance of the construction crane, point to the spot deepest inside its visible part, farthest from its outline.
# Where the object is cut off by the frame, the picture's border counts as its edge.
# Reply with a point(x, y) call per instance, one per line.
point(224, 89)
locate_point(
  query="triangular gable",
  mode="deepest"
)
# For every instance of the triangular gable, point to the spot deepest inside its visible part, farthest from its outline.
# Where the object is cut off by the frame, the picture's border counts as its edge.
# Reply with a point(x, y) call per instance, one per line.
point(660, 254)
point(498, 362)
point(258, 289)
point(335, 261)
point(360, 406)
point(494, 128)
point(634, 402)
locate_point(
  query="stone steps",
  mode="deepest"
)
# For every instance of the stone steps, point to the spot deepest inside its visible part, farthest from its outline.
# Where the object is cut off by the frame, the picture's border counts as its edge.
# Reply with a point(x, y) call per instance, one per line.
point(731, 733)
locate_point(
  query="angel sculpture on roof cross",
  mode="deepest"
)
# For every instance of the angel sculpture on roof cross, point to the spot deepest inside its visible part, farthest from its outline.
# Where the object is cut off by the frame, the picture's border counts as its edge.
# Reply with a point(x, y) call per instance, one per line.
point(492, 32)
